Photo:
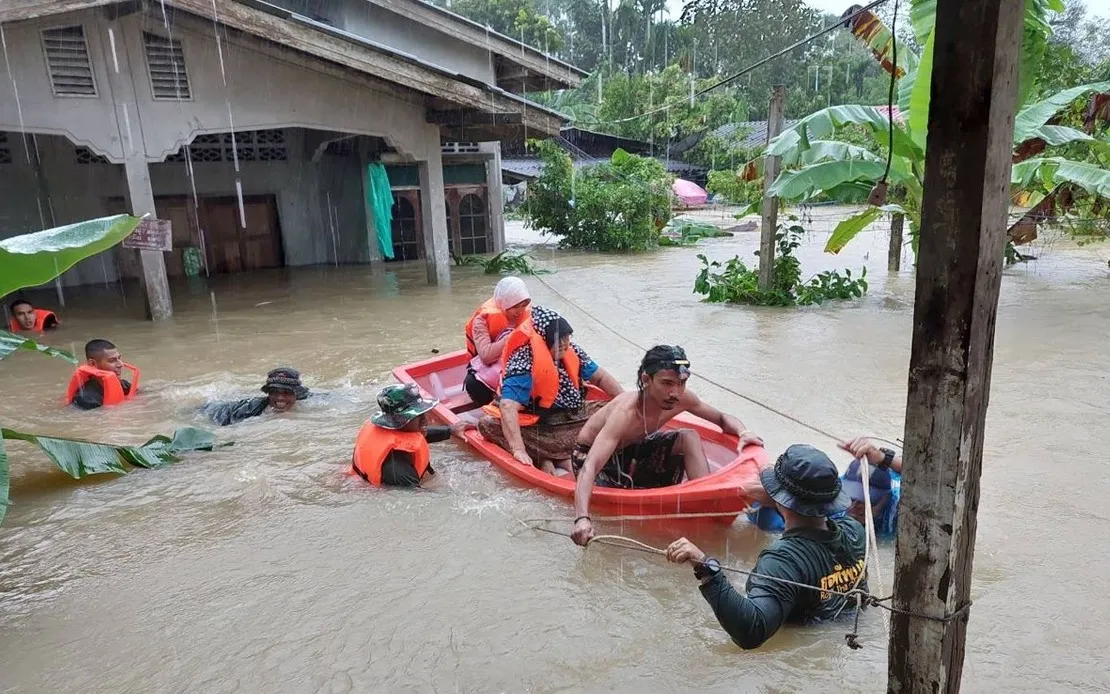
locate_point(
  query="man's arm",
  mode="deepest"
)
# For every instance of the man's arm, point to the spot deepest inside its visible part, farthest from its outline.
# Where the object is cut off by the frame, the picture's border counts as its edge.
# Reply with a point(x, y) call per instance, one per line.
point(748, 619)
point(603, 447)
point(90, 395)
point(862, 447)
point(605, 380)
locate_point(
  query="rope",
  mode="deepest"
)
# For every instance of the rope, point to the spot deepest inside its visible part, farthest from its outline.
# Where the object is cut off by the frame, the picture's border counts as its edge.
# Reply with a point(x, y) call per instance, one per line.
point(862, 597)
point(658, 516)
point(723, 387)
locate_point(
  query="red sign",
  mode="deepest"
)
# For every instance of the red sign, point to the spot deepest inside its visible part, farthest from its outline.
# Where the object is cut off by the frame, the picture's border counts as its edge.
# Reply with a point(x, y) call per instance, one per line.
point(151, 235)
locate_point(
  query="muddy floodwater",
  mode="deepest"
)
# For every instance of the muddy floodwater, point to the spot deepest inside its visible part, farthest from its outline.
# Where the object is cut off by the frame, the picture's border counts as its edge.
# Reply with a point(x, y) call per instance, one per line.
point(264, 567)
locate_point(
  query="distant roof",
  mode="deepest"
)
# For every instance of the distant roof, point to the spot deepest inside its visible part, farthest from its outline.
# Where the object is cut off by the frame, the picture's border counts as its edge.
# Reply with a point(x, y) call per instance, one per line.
point(754, 132)
point(530, 167)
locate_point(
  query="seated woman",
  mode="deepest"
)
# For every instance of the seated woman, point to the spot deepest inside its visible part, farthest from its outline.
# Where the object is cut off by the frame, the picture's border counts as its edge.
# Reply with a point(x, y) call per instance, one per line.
point(542, 403)
point(487, 332)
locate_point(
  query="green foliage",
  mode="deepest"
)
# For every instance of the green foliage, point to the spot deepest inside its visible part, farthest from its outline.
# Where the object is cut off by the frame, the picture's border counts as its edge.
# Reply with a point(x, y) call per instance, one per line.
point(619, 205)
point(10, 342)
point(79, 458)
point(518, 19)
point(33, 259)
point(734, 189)
point(734, 282)
point(504, 263)
point(687, 232)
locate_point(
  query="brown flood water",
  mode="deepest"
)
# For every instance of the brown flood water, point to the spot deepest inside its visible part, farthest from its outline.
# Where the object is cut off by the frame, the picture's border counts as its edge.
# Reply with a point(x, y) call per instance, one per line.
point(265, 568)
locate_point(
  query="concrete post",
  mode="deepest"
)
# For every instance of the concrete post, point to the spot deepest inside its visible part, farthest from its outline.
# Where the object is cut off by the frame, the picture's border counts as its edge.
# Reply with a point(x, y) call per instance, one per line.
point(771, 204)
point(495, 195)
point(433, 214)
point(373, 247)
point(139, 192)
point(141, 198)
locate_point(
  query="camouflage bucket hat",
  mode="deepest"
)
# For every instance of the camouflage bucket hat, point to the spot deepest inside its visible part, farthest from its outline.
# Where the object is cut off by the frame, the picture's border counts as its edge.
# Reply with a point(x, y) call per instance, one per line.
point(400, 404)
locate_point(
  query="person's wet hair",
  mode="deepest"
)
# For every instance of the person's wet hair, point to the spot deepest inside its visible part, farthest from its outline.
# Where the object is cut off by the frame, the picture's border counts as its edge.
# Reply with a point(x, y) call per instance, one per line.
point(557, 330)
point(659, 358)
point(94, 348)
point(19, 302)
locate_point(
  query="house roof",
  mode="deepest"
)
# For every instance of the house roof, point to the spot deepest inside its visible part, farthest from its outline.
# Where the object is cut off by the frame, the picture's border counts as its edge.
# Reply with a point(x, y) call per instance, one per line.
point(531, 167)
point(553, 73)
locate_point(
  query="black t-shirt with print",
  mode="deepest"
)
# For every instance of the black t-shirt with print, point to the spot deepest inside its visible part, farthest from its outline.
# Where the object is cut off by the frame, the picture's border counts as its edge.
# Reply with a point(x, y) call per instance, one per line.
point(831, 558)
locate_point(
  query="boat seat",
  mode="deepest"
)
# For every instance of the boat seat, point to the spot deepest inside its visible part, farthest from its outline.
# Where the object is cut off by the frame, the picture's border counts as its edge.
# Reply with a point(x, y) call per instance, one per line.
point(439, 391)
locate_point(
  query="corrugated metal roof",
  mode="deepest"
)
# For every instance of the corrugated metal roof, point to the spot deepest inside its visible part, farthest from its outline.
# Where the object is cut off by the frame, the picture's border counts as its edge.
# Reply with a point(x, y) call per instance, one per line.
point(532, 168)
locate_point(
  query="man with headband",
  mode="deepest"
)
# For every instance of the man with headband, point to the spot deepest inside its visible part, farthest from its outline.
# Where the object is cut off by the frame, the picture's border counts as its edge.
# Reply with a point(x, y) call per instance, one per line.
point(622, 445)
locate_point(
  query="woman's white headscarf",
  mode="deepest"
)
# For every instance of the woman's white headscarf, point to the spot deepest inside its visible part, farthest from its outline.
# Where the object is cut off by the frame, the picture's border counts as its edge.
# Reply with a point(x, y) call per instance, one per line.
point(509, 292)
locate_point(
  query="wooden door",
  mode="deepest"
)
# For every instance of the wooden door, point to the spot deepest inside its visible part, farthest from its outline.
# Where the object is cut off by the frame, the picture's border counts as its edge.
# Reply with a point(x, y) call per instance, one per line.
point(407, 232)
point(233, 248)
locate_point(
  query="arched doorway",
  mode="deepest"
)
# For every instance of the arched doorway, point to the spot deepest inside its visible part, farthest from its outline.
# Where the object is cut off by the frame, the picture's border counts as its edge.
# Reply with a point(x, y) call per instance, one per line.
point(405, 227)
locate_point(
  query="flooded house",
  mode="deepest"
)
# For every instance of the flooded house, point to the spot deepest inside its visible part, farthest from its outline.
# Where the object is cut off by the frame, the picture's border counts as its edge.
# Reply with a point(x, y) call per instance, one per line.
point(275, 134)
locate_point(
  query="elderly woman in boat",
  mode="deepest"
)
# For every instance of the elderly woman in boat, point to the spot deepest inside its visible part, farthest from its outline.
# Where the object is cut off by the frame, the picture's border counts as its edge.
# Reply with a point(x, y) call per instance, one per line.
point(542, 403)
point(487, 333)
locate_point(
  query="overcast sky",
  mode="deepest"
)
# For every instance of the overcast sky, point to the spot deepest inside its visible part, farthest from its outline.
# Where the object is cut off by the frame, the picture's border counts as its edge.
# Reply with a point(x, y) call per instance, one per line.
point(837, 7)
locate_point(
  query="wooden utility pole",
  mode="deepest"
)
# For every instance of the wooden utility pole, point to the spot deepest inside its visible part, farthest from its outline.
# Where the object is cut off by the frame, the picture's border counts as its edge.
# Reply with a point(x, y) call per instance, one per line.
point(771, 204)
point(894, 255)
point(963, 227)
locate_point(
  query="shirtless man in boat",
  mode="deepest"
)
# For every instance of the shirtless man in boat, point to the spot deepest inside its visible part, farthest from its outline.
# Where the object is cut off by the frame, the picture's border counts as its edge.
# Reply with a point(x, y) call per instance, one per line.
point(623, 446)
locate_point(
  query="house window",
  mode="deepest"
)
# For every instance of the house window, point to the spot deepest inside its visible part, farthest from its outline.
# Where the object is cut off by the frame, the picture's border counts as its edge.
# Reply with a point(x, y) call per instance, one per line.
point(5, 149)
point(67, 61)
point(472, 225)
point(165, 60)
point(406, 238)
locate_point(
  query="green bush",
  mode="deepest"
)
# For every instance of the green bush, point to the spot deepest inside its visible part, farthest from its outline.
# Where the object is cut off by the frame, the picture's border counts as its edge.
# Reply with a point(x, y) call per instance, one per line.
point(619, 205)
point(734, 282)
point(734, 189)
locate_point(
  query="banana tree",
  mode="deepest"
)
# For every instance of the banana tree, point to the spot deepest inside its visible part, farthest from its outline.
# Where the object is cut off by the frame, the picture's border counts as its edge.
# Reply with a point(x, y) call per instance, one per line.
point(816, 163)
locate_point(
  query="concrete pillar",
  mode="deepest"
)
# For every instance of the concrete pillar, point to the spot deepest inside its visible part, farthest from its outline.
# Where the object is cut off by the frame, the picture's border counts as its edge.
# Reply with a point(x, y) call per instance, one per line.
point(495, 194)
point(140, 196)
point(373, 246)
point(434, 215)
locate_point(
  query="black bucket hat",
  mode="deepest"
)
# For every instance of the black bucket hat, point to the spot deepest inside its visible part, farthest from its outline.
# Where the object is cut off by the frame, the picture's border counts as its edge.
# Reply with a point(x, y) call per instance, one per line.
point(805, 481)
point(285, 379)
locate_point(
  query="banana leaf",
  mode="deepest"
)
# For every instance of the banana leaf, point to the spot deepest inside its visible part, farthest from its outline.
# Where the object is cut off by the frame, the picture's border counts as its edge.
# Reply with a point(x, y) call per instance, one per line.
point(1048, 172)
point(919, 97)
point(876, 35)
point(923, 17)
point(805, 183)
point(1031, 119)
point(819, 151)
point(10, 342)
point(79, 458)
point(29, 260)
point(850, 228)
point(823, 124)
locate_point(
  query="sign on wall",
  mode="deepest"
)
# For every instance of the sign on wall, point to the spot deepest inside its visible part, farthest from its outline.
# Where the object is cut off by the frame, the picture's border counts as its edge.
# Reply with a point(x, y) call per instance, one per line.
point(151, 235)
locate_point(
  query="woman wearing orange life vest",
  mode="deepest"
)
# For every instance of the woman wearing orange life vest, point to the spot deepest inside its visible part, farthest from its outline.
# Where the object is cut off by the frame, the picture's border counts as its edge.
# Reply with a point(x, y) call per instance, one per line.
point(99, 381)
point(542, 405)
point(487, 332)
point(392, 448)
point(26, 317)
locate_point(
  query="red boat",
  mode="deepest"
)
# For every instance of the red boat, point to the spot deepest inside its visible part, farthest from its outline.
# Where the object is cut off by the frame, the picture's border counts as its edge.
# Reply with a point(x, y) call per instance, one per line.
point(720, 493)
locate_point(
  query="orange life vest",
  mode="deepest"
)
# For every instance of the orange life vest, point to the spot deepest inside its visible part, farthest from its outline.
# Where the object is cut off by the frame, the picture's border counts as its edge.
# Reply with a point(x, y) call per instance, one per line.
point(545, 375)
point(374, 444)
point(109, 381)
point(496, 320)
point(40, 320)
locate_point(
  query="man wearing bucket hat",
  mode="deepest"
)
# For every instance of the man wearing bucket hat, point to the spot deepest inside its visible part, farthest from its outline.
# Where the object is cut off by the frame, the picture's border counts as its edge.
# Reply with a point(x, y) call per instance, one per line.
point(813, 551)
point(283, 388)
point(392, 448)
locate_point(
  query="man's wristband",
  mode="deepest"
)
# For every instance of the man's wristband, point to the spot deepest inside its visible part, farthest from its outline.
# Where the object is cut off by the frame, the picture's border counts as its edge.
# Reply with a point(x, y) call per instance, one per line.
point(888, 458)
point(581, 517)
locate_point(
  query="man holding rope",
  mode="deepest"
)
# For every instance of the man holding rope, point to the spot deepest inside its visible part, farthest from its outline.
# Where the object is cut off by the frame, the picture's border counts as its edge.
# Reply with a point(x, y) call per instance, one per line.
point(622, 444)
point(803, 577)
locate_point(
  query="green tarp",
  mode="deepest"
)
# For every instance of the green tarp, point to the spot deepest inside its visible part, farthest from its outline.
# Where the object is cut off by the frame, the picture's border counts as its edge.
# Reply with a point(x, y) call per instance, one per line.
point(380, 199)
